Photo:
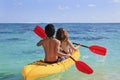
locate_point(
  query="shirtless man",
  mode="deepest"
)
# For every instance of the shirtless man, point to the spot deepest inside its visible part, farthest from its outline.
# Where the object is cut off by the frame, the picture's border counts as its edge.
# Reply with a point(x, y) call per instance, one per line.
point(51, 45)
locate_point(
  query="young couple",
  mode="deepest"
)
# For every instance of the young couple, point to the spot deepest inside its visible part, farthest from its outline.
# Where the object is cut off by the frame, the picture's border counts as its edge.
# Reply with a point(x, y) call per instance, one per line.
point(53, 46)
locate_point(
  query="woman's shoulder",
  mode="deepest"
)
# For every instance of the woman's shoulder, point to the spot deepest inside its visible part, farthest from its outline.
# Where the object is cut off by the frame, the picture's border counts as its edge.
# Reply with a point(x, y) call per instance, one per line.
point(68, 41)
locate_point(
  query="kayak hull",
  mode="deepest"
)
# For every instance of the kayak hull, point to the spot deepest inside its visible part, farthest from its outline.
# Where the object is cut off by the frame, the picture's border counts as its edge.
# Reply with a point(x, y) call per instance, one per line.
point(39, 68)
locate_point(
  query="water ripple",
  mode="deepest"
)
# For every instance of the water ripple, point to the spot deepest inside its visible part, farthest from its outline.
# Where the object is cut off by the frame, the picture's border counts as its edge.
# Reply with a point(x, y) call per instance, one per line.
point(12, 39)
point(90, 38)
point(4, 76)
point(6, 32)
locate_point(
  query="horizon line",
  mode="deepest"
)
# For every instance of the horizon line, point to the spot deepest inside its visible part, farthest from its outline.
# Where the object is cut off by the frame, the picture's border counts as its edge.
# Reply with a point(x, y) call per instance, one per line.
point(51, 22)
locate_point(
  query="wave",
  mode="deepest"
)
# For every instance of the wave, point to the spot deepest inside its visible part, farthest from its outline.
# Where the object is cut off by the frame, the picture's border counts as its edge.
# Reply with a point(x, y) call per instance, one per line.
point(14, 32)
point(90, 38)
point(4, 76)
point(6, 32)
point(28, 52)
point(36, 51)
point(85, 57)
point(12, 39)
point(15, 39)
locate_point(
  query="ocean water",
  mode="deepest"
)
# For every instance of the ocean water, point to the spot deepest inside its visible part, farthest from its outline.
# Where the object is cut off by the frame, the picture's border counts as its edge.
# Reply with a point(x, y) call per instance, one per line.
point(18, 48)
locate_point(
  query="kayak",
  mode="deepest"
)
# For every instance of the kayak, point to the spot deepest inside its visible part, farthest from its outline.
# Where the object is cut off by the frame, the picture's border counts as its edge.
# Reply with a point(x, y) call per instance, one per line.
point(39, 68)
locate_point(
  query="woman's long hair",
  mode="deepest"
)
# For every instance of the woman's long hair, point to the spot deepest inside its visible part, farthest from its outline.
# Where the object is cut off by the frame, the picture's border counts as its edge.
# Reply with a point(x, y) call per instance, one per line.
point(61, 34)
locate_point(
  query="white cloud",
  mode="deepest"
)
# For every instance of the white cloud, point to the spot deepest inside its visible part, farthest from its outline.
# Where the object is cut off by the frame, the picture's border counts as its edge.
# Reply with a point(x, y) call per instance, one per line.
point(63, 7)
point(20, 4)
point(116, 1)
point(78, 6)
point(17, 4)
point(91, 5)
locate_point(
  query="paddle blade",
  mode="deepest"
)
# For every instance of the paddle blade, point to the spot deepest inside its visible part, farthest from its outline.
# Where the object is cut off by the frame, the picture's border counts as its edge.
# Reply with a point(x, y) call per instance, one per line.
point(83, 67)
point(40, 31)
point(98, 50)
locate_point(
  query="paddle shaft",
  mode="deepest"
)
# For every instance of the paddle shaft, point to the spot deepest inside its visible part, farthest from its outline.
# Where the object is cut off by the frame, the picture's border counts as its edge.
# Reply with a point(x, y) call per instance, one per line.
point(70, 56)
point(80, 45)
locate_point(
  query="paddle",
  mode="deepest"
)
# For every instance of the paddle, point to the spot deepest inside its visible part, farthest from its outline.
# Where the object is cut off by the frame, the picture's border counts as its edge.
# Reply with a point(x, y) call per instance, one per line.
point(96, 49)
point(40, 32)
point(81, 66)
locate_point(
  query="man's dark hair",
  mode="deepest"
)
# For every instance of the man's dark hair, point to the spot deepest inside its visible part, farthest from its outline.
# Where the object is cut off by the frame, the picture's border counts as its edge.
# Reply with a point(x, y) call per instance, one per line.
point(50, 30)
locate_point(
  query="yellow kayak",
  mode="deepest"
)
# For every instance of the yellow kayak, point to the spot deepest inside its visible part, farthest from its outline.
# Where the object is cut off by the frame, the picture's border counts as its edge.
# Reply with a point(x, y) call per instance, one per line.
point(39, 68)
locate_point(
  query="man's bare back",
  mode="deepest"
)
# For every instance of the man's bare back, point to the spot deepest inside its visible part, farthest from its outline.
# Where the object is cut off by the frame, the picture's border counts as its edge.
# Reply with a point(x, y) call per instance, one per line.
point(51, 47)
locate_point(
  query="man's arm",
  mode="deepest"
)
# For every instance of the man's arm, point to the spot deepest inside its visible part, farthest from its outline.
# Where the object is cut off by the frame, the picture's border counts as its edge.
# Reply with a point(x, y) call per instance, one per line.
point(59, 53)
point(40, 43)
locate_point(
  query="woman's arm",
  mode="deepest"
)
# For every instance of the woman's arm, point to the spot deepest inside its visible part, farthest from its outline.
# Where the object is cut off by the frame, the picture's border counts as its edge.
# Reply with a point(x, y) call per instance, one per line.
point(72, 46)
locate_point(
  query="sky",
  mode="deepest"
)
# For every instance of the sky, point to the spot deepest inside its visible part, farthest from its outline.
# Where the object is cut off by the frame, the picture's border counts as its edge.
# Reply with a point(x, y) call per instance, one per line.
point(59, 11)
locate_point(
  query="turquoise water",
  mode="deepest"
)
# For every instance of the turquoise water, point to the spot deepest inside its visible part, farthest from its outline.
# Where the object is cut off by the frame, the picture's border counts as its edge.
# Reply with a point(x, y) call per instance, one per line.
point(18, 48)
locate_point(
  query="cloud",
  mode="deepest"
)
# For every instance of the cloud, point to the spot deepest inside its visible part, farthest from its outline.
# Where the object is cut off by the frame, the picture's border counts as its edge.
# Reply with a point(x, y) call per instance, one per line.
point(63, 7)
point(17, 3)
point(78, 6)
point(91, 5)
point(20, 4)
point(116, 1)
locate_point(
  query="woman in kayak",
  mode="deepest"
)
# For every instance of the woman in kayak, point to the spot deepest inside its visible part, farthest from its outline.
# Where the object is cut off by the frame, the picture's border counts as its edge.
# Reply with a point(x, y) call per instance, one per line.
point(51, 45)
point(66, 44)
